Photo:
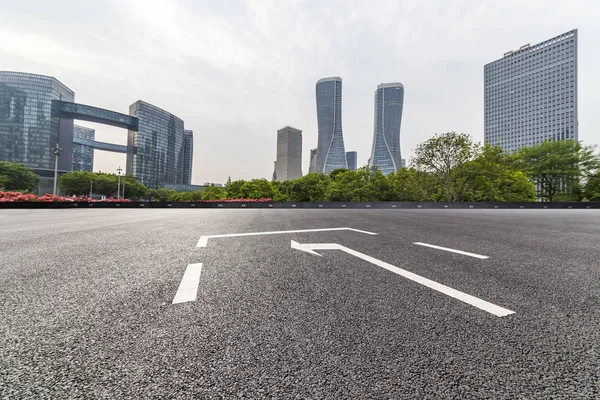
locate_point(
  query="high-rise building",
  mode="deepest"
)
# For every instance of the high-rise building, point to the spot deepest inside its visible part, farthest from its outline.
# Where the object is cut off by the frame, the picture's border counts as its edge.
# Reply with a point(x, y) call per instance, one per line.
point(289, 154)
point(531, 94)
point(188, 155)
point(156, 152)
point(83, 155)
point(385, 154)
point(312, 166)
point(29, 127)
point(351, 157)
point(331, 153)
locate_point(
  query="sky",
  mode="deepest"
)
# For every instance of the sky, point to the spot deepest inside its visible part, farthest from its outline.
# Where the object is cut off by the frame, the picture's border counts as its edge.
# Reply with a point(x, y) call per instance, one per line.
point(237, 71)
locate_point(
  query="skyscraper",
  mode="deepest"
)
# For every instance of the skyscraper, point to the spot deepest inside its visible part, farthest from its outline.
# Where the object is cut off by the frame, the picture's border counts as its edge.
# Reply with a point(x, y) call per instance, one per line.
point(289, 154)
point(331, 153)
point(385, 154)
point(188, 155)
point(156, 152)
point(83, 155)
point(531, 94)
point(312, 167)
point(351, 157)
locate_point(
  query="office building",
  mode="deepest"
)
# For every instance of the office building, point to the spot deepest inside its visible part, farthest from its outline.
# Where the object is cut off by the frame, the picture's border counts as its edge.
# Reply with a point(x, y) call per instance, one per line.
point(289, 154)
point(331, 153)
point(531, 94)
point(351, 160)
point(83, 155)
point(385, 153)
point(156, 152)
point(403, 162)
point(188, 154)
point(312, 166)
point(30, 127)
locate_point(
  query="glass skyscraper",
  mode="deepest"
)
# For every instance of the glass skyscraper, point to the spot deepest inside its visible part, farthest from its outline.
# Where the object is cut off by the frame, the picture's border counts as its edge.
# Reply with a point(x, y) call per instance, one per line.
point(156, 152)
point(351, 157)
point(83, 155)
point(385, 154)
point(531, 94)
point(330, 145)
point(188, 152)
point(28, 127)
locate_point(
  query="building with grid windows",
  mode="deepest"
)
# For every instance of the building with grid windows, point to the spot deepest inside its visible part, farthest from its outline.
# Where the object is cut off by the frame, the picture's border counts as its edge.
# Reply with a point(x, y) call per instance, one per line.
point(531, 94)
point(188, 152)
point(312, 165)
point(83, 155)
point(385, 153)
point(331, 153)
point(156, 151)
point(351, 158)
point(289, 154)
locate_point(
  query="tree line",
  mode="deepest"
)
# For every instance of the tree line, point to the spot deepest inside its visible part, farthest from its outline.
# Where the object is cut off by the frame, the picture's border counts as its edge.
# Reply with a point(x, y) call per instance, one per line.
point(448, 167)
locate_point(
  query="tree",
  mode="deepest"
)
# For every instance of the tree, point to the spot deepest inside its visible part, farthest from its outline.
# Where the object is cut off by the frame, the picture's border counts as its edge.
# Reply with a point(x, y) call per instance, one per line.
point(213, 193)
point(160, 195)
point(408, 184)
point(76, 182)
point(559, 168)
point(592, 188)
point(228, 181)
point(364, 184)
point(311, 187)
point(133, 189)
point(257, 189)
point(442, 155)
point(17, 177)
point(234, 189)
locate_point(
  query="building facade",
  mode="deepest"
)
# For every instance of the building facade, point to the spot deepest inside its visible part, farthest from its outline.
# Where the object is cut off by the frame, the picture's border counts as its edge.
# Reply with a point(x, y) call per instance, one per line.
point(289, 154)
point(188, 153)
point(531, 94)
point(83, 155)
point(312, 165)
point(156, 152)
point(385, 153)
point(331, 153)
point(351, 158)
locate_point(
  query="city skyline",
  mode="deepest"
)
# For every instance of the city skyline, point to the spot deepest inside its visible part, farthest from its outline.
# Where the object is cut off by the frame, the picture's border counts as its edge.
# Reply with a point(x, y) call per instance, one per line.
point(187, 70)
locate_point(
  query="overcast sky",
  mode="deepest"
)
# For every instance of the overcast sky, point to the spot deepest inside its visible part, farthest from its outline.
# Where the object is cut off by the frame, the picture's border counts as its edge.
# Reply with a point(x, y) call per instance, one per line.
point(236, 71)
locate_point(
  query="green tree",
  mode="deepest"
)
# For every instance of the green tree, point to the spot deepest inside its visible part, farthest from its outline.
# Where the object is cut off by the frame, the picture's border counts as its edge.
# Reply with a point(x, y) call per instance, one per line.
point(592, 188)
point(234, 189)
point(213, 193)
point(364, 184)
point(133, 189)
point(408, 184)
point(18, 177)
point(257, 189)
point(311, 187)
point(442, 155)
point(559, 167)
point(160, 195)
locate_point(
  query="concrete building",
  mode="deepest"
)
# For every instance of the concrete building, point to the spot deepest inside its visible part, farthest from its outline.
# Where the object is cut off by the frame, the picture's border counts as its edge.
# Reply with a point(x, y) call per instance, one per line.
point(351, 158)
point(385, 153)
point(289, 154)
point(331, 153)
point(531, 94)
point(312, 167)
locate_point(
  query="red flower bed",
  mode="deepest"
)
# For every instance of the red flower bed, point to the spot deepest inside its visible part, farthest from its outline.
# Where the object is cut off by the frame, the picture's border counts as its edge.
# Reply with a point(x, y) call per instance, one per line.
point(265, 200)
point(9, 197)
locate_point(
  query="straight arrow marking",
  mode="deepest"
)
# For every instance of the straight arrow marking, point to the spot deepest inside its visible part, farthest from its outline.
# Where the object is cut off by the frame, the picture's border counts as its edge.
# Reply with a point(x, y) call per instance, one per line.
point(203, 242)
point(188, 288)
point(466, 298)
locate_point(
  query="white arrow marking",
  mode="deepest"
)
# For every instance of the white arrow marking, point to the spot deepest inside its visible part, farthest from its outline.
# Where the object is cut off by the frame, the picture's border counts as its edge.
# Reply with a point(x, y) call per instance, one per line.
point(464, 253)
point(467, 298)
point(203, 242)
point(188, 288)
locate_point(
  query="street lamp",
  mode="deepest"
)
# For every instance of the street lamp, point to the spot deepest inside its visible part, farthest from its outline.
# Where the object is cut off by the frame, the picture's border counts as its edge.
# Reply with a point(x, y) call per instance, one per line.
point(119, 170)
point(56, 150)
point(91, 187)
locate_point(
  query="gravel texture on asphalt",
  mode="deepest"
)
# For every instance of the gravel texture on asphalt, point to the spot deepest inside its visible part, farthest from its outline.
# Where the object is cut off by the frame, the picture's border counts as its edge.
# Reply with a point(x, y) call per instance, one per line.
point(86, 305)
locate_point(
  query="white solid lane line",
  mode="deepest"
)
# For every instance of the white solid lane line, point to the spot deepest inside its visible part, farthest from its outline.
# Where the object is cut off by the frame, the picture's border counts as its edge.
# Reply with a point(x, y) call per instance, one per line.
point(452, 250)
point(203, 242)
point(188, 288)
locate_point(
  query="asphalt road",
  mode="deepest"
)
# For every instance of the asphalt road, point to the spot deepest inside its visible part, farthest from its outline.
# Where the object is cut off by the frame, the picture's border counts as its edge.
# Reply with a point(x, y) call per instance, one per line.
point(87, 305)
